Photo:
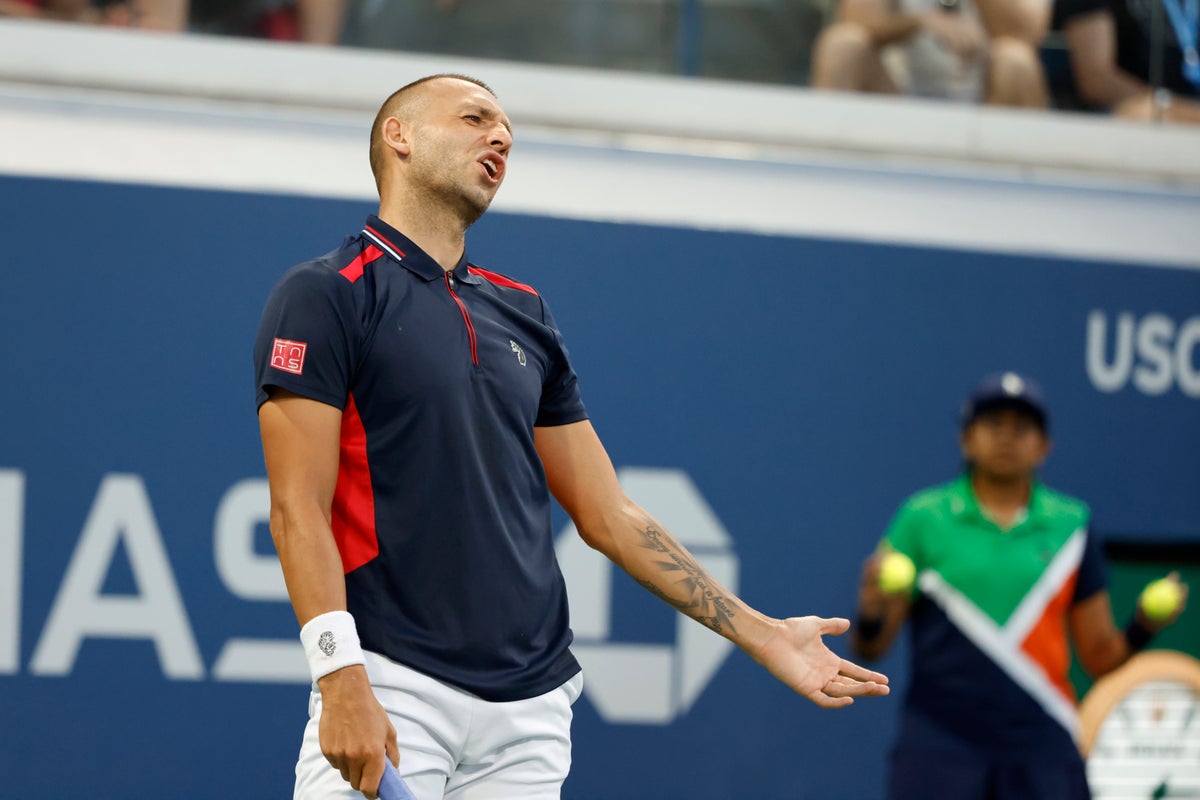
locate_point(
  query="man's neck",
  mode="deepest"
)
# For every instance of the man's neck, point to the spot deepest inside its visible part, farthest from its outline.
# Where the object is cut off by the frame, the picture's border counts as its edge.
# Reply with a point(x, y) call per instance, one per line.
point(1002, 499)
point(438, 232)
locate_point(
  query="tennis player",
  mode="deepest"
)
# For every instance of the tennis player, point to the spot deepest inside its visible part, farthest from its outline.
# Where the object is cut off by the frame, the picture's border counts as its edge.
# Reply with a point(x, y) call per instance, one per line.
point(417, 411)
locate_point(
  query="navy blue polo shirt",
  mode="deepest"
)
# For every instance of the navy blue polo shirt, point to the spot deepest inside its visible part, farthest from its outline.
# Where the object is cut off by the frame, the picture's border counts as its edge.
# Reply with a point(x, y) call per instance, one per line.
point(441, 512)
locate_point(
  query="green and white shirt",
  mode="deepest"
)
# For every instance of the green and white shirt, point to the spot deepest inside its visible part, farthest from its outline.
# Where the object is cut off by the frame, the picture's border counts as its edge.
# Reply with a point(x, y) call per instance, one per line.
point(990, 647)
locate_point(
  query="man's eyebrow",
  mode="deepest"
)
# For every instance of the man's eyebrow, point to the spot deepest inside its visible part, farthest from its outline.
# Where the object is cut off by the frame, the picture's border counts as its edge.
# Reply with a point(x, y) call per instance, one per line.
point(487, 113)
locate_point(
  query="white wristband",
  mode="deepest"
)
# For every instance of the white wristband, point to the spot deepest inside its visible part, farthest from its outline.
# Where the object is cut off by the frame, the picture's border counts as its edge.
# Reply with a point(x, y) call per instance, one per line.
point(330, 642)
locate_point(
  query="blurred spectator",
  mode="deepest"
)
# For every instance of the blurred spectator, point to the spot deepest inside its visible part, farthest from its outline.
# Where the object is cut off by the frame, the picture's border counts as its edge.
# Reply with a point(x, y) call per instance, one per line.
point(766, 41)
point(966, 50)
point(312, 21)
point(163, 15)
point(26, 9)
point(535, 31)
point(1112, 51)
point(751, 40)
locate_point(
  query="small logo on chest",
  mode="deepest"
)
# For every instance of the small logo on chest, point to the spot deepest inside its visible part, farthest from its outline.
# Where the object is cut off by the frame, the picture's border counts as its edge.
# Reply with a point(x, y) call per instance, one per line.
point(516, 348)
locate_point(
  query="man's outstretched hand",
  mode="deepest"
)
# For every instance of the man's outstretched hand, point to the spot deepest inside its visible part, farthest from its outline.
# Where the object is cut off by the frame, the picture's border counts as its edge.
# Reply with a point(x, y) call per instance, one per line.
point(796, 655)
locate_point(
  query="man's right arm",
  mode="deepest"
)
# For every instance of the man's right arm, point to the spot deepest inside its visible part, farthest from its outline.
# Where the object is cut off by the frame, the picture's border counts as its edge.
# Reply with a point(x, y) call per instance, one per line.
point(301, 446)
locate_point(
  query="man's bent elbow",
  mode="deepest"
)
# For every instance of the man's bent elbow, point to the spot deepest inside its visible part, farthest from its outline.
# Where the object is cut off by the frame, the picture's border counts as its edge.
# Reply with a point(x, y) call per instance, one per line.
point(288, 516)
point(1101, 661)
point(278, 526)
point(601, 528)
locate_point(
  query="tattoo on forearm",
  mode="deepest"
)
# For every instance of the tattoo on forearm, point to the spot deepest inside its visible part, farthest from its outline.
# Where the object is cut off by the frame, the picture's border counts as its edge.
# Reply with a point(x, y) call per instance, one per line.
point(704, 600)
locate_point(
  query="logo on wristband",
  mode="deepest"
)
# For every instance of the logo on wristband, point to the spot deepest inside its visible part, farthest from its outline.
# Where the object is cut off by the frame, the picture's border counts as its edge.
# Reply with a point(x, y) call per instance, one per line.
point(326, 643)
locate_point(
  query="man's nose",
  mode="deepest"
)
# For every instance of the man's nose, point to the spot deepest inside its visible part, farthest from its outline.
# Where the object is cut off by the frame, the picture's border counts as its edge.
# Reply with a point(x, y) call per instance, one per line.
point(501, 138)
point(1007, 431)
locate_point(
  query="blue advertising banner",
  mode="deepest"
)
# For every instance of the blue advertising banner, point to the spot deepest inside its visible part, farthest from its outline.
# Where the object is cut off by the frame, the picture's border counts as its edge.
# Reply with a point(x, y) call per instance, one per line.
point(772, 398)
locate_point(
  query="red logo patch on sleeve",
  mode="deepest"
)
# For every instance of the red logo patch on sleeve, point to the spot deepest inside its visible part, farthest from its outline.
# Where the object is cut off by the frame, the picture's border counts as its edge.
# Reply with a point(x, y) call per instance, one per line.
point(289, 356)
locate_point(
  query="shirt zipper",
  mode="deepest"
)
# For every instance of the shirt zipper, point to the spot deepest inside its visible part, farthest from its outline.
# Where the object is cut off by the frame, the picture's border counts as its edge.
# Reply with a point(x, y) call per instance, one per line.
point(466, 318)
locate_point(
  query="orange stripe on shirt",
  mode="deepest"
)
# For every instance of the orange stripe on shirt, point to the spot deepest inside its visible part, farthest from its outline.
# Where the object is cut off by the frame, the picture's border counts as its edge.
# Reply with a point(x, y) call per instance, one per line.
point(1047, 643)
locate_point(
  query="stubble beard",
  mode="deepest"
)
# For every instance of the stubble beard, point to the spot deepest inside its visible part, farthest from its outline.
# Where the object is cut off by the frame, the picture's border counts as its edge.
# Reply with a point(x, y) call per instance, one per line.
point(444, 190)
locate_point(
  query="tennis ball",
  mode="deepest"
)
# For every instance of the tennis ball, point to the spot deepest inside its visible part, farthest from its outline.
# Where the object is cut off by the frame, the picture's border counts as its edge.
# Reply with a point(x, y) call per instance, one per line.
point(896, 573)
point(1160, 598)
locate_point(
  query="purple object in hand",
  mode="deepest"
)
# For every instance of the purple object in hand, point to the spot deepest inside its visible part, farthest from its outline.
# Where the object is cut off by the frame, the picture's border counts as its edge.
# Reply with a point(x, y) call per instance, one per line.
point(393, 787)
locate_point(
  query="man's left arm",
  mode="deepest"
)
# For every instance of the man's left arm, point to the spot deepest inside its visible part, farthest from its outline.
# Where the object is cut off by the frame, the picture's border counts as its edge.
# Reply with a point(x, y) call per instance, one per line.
point(583, 480)
point(1100, 645)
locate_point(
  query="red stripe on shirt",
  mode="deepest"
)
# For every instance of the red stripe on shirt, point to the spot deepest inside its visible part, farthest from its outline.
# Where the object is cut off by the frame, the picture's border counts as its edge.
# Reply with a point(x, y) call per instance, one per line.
point(466, 319)
point(353, 497)
point(354, 270)
point(500, 280)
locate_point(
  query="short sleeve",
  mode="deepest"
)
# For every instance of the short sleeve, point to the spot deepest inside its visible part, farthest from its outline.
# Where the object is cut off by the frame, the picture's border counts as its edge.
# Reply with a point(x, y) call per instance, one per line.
point(902, 533)
point(307, 339)
point(1093, 575)
point(560, 402)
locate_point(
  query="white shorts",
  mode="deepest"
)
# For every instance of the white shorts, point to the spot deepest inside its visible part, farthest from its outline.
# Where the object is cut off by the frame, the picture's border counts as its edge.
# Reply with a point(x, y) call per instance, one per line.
point(453, 744)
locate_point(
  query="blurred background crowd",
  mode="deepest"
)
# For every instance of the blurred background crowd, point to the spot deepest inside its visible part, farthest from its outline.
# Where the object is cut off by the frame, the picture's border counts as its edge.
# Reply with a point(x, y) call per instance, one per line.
point(1136, 59)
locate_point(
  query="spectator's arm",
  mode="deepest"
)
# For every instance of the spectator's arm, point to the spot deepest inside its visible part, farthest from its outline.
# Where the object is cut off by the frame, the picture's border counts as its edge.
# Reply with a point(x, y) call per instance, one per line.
point(1143, 108)
point(1183, 110)
point(160, 15)
point(13, 8)
point(1092, 45)
point(320, 21)
point(883, 23)
point(960, 33)
point(1026, 20)
point(61, 10)
point(167, 15)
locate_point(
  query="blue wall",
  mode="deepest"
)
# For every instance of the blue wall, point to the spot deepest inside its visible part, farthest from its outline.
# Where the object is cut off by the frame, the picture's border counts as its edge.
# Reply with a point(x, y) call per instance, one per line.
point(806, 386)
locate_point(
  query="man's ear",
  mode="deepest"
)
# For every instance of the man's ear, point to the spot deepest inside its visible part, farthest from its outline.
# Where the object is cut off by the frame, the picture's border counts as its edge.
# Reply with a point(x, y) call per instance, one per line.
point(1047, 447)
point(397, 136)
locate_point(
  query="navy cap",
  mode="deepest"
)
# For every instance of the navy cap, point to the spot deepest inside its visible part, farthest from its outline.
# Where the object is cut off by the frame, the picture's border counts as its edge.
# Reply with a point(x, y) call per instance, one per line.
point(1005, 390)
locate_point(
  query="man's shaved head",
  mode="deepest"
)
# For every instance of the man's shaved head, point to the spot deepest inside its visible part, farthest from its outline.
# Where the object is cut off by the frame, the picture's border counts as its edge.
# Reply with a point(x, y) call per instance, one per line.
point(406, 103)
